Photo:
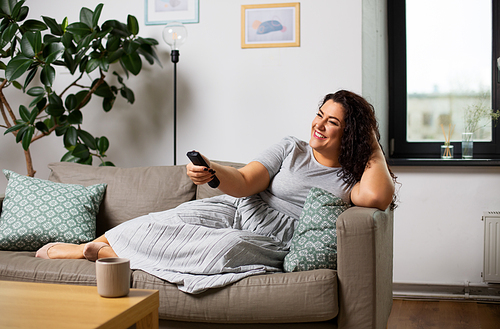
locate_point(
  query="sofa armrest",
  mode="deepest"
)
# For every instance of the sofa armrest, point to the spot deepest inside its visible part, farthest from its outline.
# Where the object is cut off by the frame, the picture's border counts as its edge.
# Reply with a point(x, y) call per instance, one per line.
point(364, 264)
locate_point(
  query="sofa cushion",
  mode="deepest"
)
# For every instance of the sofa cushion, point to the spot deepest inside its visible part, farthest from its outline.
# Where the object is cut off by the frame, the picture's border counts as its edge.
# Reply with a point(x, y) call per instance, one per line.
point(270, 298)
point(131, 192)
point(24, 266)
point(314, 241)
point(37, 211)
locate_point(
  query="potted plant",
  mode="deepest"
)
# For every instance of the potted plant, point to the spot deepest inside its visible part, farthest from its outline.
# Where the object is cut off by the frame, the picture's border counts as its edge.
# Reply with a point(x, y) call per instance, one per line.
point(30, 51)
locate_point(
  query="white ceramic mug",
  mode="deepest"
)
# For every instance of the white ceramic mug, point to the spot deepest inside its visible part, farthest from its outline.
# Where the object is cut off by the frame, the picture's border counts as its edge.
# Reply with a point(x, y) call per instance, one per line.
point(113, 277)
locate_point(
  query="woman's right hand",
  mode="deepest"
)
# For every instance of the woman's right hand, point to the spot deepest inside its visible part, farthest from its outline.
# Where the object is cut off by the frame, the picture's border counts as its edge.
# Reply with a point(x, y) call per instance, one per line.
point(199, 174)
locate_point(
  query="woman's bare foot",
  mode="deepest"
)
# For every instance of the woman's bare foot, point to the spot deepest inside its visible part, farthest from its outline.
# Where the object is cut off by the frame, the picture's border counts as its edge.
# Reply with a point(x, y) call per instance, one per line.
point(61, 251)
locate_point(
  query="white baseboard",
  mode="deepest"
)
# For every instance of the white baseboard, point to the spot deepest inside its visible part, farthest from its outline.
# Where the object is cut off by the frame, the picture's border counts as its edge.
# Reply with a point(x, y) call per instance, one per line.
point(467, 291)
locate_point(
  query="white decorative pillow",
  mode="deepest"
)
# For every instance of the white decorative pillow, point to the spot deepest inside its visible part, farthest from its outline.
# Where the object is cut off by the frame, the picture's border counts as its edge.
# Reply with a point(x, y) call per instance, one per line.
point(37, 211)
point(314, 241)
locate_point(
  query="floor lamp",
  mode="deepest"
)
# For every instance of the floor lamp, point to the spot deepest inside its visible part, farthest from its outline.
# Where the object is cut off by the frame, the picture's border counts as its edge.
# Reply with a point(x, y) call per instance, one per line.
point(175, 34)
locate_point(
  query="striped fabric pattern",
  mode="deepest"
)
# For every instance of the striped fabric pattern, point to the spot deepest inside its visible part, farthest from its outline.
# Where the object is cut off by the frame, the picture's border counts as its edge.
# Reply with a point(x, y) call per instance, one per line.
point(206, 243)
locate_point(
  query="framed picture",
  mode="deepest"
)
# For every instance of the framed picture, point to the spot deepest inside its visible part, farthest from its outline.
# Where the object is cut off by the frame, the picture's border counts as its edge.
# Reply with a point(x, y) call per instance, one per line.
point(161, 12)
point(270, 25)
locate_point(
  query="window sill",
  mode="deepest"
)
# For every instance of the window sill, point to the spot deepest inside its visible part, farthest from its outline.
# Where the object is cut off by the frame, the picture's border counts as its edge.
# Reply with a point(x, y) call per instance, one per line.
point(443, 162)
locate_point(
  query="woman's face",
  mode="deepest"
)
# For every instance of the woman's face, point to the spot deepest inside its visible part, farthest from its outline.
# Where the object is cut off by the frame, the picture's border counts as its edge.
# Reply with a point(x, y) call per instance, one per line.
point(326, 133)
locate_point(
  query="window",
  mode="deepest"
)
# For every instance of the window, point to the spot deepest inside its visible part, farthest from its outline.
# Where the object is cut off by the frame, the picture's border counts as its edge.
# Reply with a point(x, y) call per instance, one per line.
point(442, 63)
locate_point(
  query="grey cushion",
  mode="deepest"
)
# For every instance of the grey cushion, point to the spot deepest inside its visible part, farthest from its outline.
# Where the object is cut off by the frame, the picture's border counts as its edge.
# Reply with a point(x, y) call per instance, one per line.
point(271, 298)
point(24, 266)
point(131, 192)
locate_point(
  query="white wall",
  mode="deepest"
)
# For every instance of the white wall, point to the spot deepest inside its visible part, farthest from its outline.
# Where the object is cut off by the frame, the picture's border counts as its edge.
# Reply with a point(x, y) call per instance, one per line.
point(234, 102)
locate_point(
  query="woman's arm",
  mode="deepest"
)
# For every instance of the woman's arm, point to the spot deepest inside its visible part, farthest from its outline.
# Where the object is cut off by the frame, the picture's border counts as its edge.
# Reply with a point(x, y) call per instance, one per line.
point(249, 180)
point(376, 187)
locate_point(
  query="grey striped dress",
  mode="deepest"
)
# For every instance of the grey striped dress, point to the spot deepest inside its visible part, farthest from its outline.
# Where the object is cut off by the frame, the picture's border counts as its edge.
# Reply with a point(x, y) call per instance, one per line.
point(213, 242)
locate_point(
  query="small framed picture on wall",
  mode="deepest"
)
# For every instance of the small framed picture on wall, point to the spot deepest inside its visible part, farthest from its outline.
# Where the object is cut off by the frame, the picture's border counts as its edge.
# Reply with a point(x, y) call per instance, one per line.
point(270, 25)
point(161, 12)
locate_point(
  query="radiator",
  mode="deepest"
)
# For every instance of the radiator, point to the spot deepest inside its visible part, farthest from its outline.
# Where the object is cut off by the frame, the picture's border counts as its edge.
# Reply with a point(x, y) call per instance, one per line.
point(491, 265)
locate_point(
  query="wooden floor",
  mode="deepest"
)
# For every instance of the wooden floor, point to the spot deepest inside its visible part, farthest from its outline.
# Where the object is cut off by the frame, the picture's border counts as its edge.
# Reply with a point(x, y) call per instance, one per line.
point(409, 314)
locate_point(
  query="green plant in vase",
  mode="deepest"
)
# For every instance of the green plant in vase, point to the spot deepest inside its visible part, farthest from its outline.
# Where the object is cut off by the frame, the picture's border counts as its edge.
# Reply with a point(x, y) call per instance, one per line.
point(84, 48)
point(476, 116)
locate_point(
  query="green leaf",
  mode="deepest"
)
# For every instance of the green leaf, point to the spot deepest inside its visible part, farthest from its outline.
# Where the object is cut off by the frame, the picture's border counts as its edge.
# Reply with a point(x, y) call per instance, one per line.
point(103, 90)
point(79, 29)
point(68, 157)
point(75, 117)
point(31, 43)
point(97, 14)
point(17, 8)
point(53, 52)
point(80, 96)
point(54, 110)
point(33, 115)
point(132, 63)
point(9, 33)
point(102, 145)
point(107, 103)
point(87, 139)
point(128, 94)
point(107, 164)
point(41, 126)
point(71, 102)
point(113, 43)
point(7, 5)
point(28, 135)
point(34, 25)
point(29, 77)
point(14, 128)
point(86, 16)
point(48, 75)
point(70, 137)
point(17, 85)
point(49, 122)
point(23, 13)
point(36, 100)
point(55, 100)
point(132, 25)
point(36, 91)
point(17, 67)
point(24, 113)
point(55, 28)
point(64, 24)
point(92, 64)
point(21, 132)
point(81, 151)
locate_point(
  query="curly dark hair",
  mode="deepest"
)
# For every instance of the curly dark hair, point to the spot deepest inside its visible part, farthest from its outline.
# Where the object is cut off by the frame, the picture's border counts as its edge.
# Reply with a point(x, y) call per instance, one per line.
point(355, 148)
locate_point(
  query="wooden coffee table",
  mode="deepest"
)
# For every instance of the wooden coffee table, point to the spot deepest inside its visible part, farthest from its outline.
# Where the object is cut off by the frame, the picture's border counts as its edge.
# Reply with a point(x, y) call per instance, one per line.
point(42, 305)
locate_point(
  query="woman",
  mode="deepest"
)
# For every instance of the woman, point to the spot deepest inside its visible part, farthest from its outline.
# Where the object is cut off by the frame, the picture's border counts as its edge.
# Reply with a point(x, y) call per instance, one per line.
point(213, 242)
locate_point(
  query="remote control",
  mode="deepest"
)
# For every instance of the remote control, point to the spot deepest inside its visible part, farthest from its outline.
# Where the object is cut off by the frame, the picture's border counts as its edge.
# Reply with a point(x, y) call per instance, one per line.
point(198, 160)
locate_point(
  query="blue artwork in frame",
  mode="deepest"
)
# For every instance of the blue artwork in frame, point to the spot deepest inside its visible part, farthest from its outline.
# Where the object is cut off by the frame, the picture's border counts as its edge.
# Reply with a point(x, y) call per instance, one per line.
point(161, 12)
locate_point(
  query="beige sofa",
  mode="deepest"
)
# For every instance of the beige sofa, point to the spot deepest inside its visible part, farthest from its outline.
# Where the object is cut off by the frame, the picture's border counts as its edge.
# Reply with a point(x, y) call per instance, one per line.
point(358, 295)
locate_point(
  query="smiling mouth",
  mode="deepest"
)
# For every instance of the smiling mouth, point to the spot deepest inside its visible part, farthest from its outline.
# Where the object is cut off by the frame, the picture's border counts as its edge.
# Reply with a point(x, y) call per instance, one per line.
point(319, 135)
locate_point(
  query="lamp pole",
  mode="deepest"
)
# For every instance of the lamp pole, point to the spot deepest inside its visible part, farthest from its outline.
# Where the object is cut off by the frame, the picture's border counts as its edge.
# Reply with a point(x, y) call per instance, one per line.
point(175, 35)
point(174, 55)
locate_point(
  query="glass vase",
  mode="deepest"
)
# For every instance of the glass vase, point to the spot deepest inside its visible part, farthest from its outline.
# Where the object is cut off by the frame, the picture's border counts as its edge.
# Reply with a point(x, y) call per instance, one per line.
point(467, 145)
point(446, 151)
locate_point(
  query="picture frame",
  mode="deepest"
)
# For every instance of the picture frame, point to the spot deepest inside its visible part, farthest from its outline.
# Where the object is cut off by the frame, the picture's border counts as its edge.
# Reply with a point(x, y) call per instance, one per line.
point(162, 12)
point(270, 25)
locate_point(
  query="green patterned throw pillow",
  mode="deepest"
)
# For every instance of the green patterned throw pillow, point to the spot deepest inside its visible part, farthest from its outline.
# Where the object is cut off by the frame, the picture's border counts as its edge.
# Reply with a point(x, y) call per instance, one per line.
point(314, 242)
point(37, 211)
